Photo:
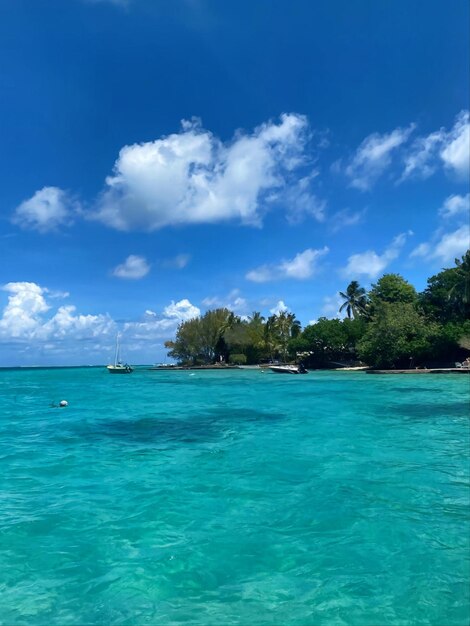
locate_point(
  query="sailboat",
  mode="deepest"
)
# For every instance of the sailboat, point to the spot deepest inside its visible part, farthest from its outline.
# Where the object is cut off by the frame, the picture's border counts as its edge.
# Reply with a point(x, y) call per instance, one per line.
point(119, 367)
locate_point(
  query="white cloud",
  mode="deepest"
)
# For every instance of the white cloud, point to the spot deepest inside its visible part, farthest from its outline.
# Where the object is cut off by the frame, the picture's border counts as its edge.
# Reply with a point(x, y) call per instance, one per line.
point(233, 301)
point(23, 317)
point(20, 316)
point(262, 274)
point(455, 205)
point(161, 327)
point(301, 202)
point(192, 177)
point(331, 306)
point(178, 262)
point(422, 250)
point(30, 323)
point(345, 218)
point(373, 157)
point(453, 245)
point(66, 324)
point(134, 267)
point(421, 158)
point(181, 311)
point(47, 210)
point(370, 263)
point(280, 307)
point(448, 148)
point(456, 151)
point(445, 247)
point(301, 267)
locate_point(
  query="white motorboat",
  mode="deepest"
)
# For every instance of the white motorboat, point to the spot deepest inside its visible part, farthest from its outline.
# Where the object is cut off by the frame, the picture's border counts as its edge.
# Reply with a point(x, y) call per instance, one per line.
point(288, 369)
point(119, 367)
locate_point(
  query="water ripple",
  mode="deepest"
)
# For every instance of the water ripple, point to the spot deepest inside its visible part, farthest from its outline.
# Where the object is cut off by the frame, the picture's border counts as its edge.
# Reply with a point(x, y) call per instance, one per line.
point(234, 498)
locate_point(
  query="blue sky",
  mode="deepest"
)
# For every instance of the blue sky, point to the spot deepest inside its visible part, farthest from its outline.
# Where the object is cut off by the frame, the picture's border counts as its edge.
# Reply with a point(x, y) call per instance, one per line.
point(162, 158)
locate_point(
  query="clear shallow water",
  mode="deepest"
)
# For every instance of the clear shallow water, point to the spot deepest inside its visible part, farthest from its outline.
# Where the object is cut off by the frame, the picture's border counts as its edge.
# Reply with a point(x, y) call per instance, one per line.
point(234, 498)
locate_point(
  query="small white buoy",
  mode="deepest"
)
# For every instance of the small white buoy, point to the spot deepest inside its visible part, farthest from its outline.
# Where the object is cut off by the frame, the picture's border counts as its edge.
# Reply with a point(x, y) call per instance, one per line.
point(63, 403)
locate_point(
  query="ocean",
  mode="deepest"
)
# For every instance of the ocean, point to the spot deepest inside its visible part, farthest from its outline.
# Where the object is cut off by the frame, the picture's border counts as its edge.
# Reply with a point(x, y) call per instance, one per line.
point(238, 497)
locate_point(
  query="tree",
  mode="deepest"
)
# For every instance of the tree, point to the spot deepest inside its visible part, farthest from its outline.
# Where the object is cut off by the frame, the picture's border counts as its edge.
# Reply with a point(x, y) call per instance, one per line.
point(187, 346)
point(201, 339)
point(214, 324)
point(460, 291)
point(355, 300)
point(237, 337)
point(327, 340)
point(447, 295)
point(396, 336)
point(392, 288)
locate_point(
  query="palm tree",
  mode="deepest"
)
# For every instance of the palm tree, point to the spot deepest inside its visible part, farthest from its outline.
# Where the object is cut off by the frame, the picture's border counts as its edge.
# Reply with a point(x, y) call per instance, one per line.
point(355, 300)
point(271, 336)
point(256, 318)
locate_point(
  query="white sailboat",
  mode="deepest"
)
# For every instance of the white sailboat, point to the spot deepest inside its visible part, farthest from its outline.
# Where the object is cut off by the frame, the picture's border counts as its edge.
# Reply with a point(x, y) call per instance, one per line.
point(119, 367)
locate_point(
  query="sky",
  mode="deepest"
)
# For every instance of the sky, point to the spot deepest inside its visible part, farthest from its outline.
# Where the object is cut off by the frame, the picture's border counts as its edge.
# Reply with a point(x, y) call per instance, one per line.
point(163, 158)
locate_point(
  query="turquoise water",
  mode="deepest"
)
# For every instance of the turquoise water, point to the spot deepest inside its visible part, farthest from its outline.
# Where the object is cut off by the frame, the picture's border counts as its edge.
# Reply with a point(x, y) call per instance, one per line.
point(234, 498)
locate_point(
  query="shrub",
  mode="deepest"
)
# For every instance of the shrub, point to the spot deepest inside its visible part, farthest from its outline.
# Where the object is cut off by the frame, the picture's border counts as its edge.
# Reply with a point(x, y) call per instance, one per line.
point(237, 359)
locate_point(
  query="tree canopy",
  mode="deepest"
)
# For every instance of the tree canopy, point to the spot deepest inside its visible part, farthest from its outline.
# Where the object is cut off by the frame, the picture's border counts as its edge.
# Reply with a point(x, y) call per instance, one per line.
point(389, 326)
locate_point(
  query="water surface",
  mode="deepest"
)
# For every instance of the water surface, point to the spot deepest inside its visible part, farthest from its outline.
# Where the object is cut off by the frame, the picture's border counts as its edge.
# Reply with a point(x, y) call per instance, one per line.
point(234, 498)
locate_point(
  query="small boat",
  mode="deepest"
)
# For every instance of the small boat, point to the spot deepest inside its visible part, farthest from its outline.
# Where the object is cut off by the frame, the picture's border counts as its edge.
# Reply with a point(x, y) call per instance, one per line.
point(288, 369)
point(119, 367)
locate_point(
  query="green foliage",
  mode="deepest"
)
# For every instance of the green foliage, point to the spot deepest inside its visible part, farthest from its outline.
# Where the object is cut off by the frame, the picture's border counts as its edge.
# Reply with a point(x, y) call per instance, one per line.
point(201, 339)
point(238, 359)
point(355, 300)
point(327, 340)
point(392, 288)
point(391, 326)
point(447, 295)
point(397, 336)
point(355, 329)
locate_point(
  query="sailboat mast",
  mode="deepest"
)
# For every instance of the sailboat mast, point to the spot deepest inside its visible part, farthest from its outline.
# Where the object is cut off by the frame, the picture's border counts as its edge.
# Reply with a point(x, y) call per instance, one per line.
point(116, 354)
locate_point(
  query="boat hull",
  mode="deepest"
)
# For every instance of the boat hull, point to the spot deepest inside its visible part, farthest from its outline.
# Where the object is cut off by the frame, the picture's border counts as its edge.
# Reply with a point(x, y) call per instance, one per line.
point(115, 369)
point(280, 369)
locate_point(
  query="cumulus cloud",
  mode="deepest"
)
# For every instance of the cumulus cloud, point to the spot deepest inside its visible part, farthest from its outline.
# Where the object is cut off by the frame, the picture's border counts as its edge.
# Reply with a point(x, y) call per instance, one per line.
point(448, 148)
point(455, 205)
point(47, 210)
point(25, 304)
point(181, 311)
point(134, 267)
point(279, 307)
point(192, 177)
point(374, 156)
point(154, 326)
point(30, 322)
point(24, 317)
point(370, 263)
point(301, 267)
